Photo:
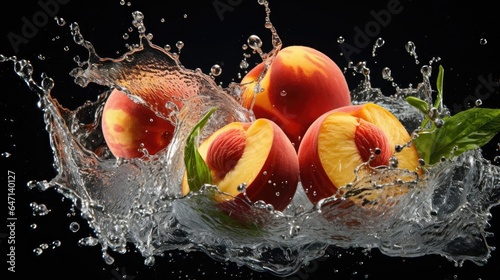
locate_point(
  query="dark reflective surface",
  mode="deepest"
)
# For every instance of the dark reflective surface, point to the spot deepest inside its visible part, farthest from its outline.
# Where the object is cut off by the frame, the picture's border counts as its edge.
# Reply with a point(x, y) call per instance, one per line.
point(213, 32)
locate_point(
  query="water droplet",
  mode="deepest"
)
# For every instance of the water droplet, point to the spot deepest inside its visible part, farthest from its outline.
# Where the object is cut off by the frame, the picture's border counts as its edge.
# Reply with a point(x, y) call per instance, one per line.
point(23, 68)
point(74, 226)
point(496, 159)
point(386, 74)
point(56, 243)
point(242, 187)
point(479, 102)
point(108, 259)
point(439, 123)
point(254, 42)
point(393, 162)
point(483, 41)
point(88, 241)
point(37, 251)
point(179, 45)
point(340, 40)
point(399, 148)
point(434, 59)
point(60, 21)
point(6, 154)
point(283, 93)
point(426, 70)
point(39, 209)
point(433, 113)
point(149, 261)
point(216, 70)
point(378, 43)
point(33, 226)
point(411, 49)
point(243, 64)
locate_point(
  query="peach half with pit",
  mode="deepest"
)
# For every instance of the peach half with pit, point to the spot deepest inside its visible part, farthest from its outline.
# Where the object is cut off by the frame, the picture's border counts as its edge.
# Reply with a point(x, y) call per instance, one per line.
point(399, 138)
point(342, 140)
point(129, 128)
point(257, 154)
point(300, 84)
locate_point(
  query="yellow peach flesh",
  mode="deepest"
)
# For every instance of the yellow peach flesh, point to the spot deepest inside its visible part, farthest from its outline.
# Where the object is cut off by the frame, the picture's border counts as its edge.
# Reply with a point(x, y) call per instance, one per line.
point(259, 139)
point(395, 131)
point(338, 161)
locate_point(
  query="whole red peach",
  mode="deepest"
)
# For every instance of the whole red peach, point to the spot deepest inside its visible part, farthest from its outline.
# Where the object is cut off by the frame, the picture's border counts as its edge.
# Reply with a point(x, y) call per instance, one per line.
point(300, 85)
point(130, 128)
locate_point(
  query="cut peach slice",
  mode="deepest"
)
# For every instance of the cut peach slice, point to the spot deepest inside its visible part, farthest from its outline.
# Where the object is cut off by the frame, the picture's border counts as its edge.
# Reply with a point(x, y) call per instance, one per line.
point(257, 155)
point(333, 148)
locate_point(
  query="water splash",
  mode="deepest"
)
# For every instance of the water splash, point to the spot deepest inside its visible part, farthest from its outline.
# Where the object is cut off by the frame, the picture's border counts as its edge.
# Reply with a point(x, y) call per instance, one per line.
point(139, 202)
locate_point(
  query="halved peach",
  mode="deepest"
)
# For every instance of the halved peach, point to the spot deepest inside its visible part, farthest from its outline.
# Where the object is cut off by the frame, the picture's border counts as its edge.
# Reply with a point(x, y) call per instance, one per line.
point(333, 148)
point(344, 139)
point(258, 155)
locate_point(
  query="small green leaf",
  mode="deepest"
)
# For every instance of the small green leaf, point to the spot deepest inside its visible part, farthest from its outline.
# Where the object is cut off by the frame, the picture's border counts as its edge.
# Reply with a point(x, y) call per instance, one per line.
point(418, 103)
point(439, 86)
point(197, 170)
point(466, 130)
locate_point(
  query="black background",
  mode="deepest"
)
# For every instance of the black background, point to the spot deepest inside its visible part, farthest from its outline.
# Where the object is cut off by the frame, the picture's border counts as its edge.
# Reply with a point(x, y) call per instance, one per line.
point(445, 29)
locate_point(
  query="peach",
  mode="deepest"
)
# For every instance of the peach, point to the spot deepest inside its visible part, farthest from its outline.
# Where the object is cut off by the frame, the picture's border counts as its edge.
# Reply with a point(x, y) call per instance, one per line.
point(300, 85)
point(341, 140)
point(129, 127)
point(257, 154)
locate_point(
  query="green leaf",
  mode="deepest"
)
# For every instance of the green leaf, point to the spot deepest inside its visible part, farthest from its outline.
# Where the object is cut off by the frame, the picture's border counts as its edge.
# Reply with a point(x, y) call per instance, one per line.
point(466, 130)
point(418, 103)
point(439, 86)
point(197, 170)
